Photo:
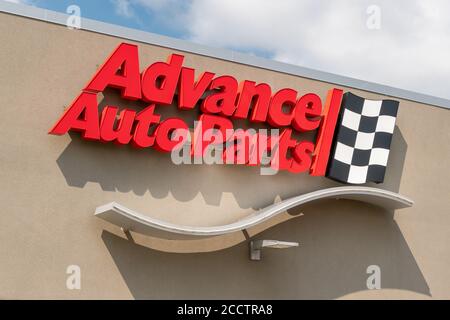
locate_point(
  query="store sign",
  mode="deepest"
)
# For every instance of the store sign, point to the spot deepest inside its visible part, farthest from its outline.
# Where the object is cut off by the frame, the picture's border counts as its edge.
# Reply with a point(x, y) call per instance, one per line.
point(353, 135)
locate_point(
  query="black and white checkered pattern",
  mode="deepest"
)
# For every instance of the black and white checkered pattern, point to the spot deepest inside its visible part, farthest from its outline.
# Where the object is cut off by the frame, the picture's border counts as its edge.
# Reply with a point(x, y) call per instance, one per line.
point(362, 140)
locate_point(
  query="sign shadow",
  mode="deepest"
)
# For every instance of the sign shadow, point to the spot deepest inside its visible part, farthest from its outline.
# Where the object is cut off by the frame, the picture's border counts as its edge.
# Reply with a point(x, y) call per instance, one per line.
point(337, 245)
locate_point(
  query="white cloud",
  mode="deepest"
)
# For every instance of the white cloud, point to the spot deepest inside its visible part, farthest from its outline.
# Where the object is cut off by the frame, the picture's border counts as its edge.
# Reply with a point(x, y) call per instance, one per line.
point(127, 8)
point(123, 8)
point(410, 50)
point(28, 2)
point(167, 14)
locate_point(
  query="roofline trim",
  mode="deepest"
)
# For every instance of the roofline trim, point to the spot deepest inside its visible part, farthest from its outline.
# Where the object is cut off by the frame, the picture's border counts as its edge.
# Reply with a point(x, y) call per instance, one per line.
point(223, 54)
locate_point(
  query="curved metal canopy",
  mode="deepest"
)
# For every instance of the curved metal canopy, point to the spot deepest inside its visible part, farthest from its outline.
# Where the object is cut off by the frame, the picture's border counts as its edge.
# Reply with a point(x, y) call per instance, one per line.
point(141, 223)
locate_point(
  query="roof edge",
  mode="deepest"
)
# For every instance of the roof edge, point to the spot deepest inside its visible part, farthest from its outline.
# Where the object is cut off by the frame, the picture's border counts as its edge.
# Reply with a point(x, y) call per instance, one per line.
point(223, 54)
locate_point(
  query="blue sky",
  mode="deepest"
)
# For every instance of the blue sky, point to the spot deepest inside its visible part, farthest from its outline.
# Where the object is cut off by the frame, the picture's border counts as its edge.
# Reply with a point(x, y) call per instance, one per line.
point(107, 11)
point(402, 43)
point(135, 14)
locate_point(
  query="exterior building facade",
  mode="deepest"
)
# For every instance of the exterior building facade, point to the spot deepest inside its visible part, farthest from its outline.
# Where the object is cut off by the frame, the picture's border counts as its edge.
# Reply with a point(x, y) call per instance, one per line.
point(51, 186)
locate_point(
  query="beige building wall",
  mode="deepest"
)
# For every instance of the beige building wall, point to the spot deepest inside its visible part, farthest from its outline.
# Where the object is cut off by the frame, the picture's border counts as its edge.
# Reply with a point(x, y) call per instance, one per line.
point(51, 185)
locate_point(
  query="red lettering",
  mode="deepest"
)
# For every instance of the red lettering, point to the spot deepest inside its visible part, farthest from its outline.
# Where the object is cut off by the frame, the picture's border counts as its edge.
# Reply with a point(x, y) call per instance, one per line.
point(307, 106)
point(189, 91)
point(301, 157)
point(160, 80)
point(146, 118)
point(256, 96)
point(241, 147)
point(121, 135)
point(82, 115)
point(205, 123)
point(326, 133)
point(121, 71)
point(283, 98)
point(224, 101)
point(282, 159)
point(164, 141)
point(247, 100)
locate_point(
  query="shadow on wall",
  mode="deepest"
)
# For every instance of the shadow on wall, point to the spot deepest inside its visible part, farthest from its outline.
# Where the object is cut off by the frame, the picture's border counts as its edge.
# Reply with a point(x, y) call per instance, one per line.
point(397, 156)
point(337, 244)
point(338, 241)
point(126, 169)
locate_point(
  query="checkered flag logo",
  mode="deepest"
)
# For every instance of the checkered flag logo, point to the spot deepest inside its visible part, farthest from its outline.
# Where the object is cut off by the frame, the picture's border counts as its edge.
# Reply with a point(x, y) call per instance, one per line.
point(362, 141)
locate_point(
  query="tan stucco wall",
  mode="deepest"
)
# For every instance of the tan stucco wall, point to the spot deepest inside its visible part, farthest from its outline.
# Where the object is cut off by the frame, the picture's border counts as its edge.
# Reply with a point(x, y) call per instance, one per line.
point(50, 187)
